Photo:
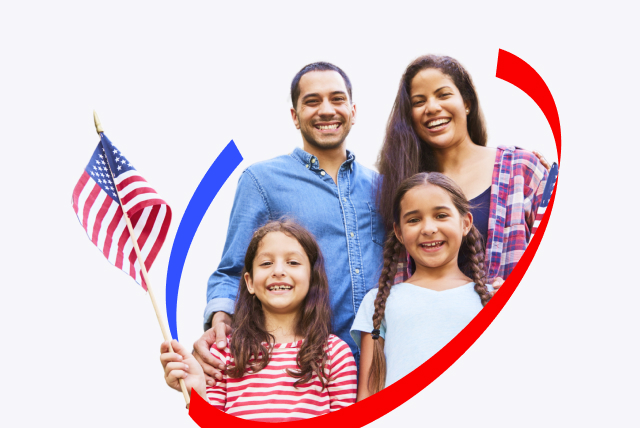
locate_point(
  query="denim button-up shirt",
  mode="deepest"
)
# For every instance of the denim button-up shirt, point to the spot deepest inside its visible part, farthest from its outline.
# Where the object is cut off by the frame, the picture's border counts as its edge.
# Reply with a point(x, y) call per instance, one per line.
point(342, 216)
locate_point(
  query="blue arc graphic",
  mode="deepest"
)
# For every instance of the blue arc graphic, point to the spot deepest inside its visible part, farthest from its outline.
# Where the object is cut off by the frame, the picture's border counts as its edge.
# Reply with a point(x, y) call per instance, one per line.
point(218, 173)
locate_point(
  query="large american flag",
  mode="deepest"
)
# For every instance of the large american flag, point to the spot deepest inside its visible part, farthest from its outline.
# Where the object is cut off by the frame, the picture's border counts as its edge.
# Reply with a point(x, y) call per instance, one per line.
point(97, 206)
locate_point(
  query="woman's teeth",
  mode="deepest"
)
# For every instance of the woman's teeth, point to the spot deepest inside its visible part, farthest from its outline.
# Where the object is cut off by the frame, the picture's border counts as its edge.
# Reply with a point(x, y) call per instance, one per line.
point(437, 122)
point(328, 126)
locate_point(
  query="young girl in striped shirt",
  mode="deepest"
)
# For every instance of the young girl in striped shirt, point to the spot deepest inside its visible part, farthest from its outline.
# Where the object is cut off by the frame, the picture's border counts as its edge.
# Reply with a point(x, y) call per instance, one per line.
point(282, 362)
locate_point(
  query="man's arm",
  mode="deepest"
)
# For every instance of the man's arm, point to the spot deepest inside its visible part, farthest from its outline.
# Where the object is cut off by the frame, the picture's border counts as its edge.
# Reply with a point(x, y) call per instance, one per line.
point(249, 211)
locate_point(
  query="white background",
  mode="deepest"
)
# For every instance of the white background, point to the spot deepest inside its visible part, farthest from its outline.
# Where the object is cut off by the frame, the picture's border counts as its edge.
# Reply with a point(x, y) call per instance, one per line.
point(175, 82)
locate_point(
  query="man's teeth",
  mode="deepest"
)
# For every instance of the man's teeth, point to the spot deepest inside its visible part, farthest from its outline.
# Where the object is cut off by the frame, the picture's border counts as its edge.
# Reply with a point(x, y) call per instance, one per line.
point(432, 244)
point(280, 287)
point(438, 122)
point(328, 126)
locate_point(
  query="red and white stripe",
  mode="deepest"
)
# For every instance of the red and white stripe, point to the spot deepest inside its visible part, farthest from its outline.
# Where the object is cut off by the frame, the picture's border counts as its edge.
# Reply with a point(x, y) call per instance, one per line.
point(539, 216)
point(270, 395)
point(103, 220)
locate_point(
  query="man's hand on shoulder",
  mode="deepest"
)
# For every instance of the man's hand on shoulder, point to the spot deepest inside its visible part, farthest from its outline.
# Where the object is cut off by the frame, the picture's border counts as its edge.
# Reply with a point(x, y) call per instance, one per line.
point(220, 329)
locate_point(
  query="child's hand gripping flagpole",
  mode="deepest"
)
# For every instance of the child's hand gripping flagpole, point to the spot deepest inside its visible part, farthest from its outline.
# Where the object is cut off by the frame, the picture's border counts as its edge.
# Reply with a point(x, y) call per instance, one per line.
point(143, 269)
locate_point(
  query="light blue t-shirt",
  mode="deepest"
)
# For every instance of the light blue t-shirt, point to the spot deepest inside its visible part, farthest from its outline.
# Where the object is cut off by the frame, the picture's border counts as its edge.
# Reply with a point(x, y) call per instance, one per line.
point(417, 323)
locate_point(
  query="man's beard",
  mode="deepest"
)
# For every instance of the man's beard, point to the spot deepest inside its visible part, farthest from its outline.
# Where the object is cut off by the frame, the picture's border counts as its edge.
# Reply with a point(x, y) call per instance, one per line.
point(323, 146)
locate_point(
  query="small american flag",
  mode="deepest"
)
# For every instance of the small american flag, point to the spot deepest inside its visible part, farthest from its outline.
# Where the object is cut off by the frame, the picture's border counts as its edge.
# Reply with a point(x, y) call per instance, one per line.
point(97, 206)
point(546, 196)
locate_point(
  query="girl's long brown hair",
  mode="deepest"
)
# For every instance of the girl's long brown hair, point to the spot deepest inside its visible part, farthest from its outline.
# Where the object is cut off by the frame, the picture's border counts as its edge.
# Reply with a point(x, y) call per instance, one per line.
point(471, 246)
point(403, 153)
point(251, 343)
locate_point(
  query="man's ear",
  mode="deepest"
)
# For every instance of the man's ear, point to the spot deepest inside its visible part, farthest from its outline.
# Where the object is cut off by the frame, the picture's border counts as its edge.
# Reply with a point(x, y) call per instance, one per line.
point(353, 114)
point(294, 116)
point(398, 232)
point(249, 281)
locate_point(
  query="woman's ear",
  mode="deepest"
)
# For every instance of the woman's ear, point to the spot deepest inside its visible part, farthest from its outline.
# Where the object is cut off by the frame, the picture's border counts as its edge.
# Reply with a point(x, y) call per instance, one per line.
point(467, 222)
point(467, 107)
point(398, 232)
point(249, 281)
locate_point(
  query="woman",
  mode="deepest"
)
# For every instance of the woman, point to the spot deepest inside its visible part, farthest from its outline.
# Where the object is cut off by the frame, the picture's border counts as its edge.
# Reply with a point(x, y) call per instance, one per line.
point(436, 124)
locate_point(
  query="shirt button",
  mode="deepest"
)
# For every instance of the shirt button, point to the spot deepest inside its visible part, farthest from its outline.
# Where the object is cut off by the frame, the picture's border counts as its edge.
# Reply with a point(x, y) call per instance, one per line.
point(307, 165)
point(322, 172)
point(344, 199)
point(357, 270)
point(352, 234)
point(313, 160)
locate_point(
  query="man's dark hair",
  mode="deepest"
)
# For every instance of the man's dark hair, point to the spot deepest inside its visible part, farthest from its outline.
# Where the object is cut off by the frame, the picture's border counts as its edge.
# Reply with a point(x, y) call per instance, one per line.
point(316, 66)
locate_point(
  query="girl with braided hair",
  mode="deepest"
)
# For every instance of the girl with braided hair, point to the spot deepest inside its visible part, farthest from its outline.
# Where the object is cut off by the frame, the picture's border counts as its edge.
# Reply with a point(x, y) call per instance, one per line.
point(398, 327)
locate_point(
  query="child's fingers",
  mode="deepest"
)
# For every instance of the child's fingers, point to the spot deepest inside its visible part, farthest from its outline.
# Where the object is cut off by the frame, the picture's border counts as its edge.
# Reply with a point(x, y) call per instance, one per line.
point(169, 357)
point(164, 347)
point(177, 370)
point(179, 349)
point(173, 346)
point(173, 378)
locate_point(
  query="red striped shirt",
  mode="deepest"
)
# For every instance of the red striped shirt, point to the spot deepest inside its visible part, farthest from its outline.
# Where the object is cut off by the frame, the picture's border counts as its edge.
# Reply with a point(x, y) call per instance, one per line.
point(270, 396)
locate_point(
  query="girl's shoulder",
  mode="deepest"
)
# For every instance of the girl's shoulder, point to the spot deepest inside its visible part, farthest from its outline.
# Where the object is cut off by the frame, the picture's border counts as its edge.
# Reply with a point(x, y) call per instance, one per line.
point(399, 288)
point(335, 340)
point(336, 346)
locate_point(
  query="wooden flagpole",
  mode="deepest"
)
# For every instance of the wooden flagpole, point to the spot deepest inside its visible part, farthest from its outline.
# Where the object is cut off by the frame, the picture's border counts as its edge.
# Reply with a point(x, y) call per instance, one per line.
point(143, 268)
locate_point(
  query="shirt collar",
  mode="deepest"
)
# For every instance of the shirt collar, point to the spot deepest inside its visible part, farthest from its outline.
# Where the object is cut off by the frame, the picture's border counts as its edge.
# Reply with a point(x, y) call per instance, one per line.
point(312, 161)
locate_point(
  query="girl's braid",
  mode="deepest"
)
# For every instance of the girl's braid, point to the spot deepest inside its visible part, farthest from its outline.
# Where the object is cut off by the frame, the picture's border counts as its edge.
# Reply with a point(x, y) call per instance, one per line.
point(391, 254)
point(476, 262)
point(389, 270)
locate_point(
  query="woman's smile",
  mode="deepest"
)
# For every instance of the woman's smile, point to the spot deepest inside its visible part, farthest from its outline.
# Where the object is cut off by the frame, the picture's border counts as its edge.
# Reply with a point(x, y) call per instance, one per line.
point(437, 125)
point(438, 111)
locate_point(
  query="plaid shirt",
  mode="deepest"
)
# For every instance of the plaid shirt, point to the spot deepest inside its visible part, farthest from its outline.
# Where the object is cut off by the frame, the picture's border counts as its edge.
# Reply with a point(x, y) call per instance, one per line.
point(516, 193)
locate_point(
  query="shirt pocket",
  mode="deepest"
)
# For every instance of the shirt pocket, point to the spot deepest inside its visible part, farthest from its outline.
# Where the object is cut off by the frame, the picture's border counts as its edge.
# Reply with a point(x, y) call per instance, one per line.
point(377, 227)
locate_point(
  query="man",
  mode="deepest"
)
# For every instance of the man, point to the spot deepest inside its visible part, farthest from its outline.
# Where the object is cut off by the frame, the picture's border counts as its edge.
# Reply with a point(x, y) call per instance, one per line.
point(320, 186)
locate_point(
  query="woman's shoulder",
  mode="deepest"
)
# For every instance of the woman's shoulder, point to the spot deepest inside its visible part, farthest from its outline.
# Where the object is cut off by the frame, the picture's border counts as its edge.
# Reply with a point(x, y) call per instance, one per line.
point(519, 154)
point(520, 161)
